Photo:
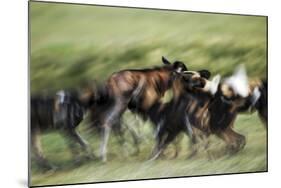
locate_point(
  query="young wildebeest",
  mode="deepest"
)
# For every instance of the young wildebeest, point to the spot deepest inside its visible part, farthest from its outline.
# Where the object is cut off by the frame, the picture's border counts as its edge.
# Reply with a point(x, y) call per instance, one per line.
point(62, 113)
point(212, 113)
point(144, 86)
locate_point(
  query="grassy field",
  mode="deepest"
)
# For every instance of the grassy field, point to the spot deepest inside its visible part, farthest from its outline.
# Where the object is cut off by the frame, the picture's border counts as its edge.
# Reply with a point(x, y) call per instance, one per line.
point(123, 165)
point(73, 44)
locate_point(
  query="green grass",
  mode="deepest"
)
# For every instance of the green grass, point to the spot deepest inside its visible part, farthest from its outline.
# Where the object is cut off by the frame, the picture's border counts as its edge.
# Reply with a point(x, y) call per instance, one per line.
point(73, 44)
point(122, 166)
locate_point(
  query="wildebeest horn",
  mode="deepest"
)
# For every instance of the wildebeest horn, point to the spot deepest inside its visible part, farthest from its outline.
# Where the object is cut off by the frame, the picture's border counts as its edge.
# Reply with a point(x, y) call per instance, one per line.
point(165, 61)
point(239, 81)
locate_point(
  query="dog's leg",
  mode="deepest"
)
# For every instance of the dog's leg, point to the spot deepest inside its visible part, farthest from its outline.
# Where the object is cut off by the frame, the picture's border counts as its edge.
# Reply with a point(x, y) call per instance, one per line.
point(136, 139)
point(105, 137)
point(160, 148)
point(177, 144)
point(72, 145)
point(163, 139)
point(192, 135)
point(234, 141)
point(239, 140)
point(113, 117)
point(193, 146)
point(206, 141)
point(119, 131)
point(83, 143)
point(159, 140)
point(37, 149)
point(73, 137)
point(159, 136)
point(134, 135)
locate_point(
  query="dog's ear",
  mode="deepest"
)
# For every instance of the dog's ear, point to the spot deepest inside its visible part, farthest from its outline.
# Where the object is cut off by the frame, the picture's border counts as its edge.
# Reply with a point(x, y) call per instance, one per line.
point(205, 74)
point(165, 61)
point(238, 81)
point(179, 67)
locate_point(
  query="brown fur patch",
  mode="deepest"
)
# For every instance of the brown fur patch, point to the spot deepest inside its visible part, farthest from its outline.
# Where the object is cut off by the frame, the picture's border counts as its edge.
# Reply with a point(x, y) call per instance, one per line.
point(226, 90)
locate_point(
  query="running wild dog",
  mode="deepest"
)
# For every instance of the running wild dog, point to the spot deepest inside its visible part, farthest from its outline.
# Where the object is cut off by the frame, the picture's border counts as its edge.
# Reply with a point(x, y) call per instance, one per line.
point(63, 113)
point(259, 102)
point(212, 112)
point(98, 100)
point(171, 118)
point(142, 87)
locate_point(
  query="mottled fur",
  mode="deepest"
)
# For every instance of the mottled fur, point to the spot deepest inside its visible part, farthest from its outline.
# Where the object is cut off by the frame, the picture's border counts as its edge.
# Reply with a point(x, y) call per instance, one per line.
point(138, 89)
point(62, 113)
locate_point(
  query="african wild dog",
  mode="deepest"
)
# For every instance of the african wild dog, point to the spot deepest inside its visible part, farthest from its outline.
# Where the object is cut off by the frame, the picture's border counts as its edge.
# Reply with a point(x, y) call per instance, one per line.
point(257, 100)
point(63, 113)
point(98, 101)
point(171, 118)
point(143, 87)
point(211, 113)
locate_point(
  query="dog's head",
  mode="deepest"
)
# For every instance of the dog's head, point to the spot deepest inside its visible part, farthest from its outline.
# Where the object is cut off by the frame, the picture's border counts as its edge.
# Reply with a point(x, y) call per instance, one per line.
point(235, 89)
point(177, 66)
point(236, 85)
point(198, 81)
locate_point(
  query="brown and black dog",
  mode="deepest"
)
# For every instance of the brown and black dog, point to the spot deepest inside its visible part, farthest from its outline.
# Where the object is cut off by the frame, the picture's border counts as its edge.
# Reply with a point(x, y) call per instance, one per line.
point(135, 88)
point(211, 112)
point(259, 102)
point(62, 113)
point(96, 97)
point(171, 118)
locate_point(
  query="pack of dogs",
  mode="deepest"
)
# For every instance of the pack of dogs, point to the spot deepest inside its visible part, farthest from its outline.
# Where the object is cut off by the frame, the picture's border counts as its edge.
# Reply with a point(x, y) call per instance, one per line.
point(199, 107)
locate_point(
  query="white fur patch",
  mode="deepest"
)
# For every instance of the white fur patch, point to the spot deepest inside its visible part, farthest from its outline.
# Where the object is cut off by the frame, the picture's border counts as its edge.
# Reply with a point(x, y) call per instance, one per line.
point(179, 70)
point(214, 84)
point(256, 95)
point(239, 81)
point(61, 96)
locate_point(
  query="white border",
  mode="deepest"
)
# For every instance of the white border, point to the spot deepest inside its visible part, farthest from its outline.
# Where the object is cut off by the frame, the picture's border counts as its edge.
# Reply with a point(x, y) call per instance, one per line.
point(13, 95)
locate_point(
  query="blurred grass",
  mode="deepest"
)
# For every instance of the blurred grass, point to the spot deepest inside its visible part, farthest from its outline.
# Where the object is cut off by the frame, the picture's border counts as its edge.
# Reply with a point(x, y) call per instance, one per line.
point(73, 43)
point(123, 167)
